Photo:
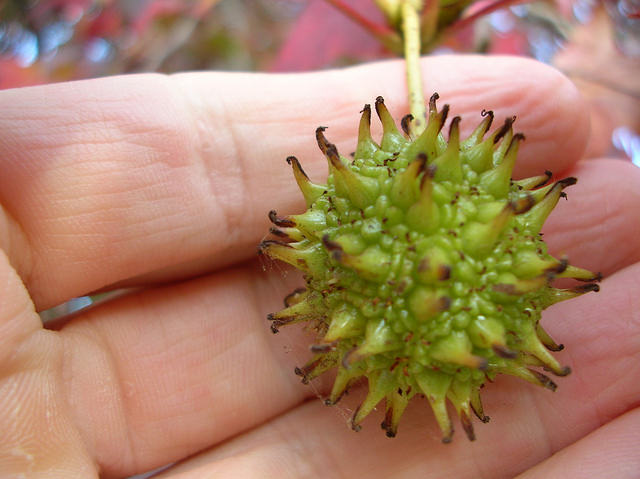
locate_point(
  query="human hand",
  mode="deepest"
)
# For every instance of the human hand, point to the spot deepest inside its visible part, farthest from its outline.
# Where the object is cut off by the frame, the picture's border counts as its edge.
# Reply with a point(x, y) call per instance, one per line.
point(162, 184)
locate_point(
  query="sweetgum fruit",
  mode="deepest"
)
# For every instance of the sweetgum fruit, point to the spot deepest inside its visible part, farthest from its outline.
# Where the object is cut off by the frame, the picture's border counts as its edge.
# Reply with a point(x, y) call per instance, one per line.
point(424, 265)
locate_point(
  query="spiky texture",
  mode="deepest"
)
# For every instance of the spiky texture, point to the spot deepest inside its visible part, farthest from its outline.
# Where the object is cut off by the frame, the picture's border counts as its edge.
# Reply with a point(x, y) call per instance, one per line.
point(425, 270)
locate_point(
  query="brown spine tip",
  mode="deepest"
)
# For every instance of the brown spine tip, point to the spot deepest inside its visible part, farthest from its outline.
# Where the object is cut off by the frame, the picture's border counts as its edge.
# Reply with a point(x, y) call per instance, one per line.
point(517, 138)
point(558, 268)
point(504, 352)
point(432, 102)
point(356, 427)
point(488, 113)
point(282, 222)
point(455, 123)
point(506, 126)
point(387, 424)
point(379, 105)
point(480, 415)
point(302, 373)
point(544, 380)
point(276, 232)
point(405, 124)
point(323, 348)
point(327, 148)
point(467, 426)
point(564, 183)
point(292, 297)
point(597, 277)
point(274, 325)
point(308, 369)
point(293, 161)
point(447, 439)
point(334, 248)
point(548, 175)
point(444, 113)
point(523, 204)
point(586, 288)
point(266, 243)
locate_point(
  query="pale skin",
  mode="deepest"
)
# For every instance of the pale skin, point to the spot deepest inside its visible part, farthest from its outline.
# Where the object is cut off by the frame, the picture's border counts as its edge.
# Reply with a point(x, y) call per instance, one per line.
point(164, 183)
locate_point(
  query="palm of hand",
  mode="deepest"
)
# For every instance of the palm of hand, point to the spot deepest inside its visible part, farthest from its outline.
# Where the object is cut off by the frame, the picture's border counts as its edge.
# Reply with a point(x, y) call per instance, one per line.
point(162, 185)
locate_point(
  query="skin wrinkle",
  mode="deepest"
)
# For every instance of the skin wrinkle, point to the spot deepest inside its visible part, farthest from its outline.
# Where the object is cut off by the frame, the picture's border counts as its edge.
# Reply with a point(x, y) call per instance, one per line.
point(601, 396)
point(14, 313)
point(128, 402)
point(295, 391)
point(224, 354)
point(269, 345)
point(118, 403)
point(203, 150)
point(544, 428)
point(309, 453)
point(579, 377)
point(235, 220)
point(616, 445)
point(14, 239)
point(582, 217)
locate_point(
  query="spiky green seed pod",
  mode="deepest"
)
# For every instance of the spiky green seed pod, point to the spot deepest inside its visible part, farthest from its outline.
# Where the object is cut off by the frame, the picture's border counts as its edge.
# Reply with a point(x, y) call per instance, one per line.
point(425, 270)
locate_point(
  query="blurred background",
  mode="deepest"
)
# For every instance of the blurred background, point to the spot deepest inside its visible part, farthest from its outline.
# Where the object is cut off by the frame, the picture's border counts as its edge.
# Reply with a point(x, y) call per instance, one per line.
point(595, 42)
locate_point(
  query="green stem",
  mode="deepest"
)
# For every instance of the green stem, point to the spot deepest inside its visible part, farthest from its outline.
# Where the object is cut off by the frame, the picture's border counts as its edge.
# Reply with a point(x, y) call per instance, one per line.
point(412, 44)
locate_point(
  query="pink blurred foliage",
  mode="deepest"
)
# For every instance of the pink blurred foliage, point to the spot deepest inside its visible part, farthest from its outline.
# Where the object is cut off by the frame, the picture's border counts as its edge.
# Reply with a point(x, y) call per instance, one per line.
point(322, 36)
point(68, 9)
point(107, 23)
point(154, 10)
point(13, 74)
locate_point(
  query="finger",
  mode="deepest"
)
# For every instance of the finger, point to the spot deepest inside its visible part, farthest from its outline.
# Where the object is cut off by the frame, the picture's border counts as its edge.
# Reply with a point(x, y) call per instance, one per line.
point(611, 451)
point(598, 227)
point(160, 178)
point(174, 373)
